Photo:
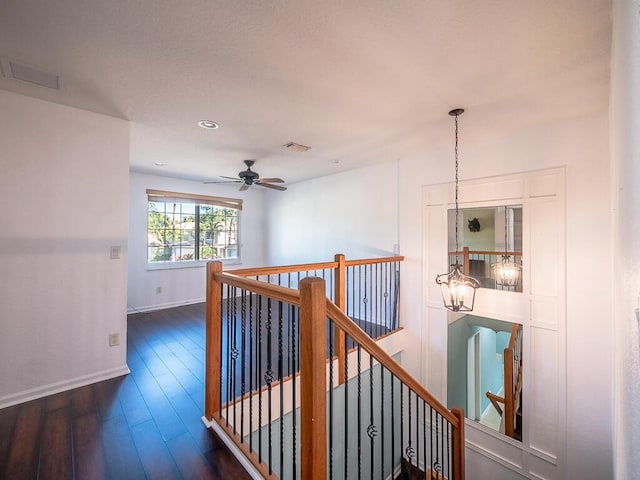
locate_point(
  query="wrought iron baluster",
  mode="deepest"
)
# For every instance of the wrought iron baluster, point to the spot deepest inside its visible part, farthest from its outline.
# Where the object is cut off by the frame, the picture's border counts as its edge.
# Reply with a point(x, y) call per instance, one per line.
point(281, 379)
point(359, 396)
point(382, 419)
point(234, 355)
point(242, 360)
point(268, 378)
point(346, 409)
point(331, 330)
point(259, 376)
point(222, 322)
point(417, 447)
point(294, 356)
point(228, 353)
point(393, 420)
point(424, 435)
point(409, 450)
point(372, 430)
point(251, 349)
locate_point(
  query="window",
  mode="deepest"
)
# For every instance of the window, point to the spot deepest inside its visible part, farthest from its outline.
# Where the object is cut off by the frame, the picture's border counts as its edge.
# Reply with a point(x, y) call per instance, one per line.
point(187, 228)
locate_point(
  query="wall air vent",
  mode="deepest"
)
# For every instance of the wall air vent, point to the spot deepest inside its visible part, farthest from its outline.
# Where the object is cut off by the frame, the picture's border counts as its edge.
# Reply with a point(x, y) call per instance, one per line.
point(296, 147)
point(18, 71)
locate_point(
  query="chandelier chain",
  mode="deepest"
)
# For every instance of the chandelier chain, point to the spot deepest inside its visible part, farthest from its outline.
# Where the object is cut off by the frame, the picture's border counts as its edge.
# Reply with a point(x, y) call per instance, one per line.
point(456, 194)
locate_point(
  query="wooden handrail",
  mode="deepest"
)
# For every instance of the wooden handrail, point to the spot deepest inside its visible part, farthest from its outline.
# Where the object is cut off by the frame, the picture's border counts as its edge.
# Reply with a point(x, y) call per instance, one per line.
point(303, 267)
point(495, 399)
point(370, 261)
point(372, 348)
point(486, 252)
point(284, 294)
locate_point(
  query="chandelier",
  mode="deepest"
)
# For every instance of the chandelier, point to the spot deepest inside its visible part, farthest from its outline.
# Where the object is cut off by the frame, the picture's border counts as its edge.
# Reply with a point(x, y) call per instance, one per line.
point(458, 289)
point(506, 272)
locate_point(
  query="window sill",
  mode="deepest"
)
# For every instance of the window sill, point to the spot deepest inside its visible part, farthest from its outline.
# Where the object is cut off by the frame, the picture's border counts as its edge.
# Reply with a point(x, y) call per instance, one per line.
point(198, 264)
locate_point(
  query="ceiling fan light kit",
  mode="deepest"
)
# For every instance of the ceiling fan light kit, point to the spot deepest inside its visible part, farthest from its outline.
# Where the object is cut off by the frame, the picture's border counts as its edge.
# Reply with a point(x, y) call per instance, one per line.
point(458, 289)
point(248, 177)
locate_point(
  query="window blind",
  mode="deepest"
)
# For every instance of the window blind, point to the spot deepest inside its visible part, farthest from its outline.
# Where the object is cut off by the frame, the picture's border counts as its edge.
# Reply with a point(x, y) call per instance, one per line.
point(164, 196)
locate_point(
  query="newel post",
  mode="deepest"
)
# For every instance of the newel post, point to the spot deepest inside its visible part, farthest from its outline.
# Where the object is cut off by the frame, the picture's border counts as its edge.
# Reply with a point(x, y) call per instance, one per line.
point(313, 387)
point(509, 388)
point(458, 445)
point(465, 254)
point(340, 296)
point(212, 341)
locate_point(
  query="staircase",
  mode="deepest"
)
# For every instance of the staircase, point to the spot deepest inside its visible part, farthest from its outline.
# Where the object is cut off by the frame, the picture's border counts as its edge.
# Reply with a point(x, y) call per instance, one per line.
point(304, 392)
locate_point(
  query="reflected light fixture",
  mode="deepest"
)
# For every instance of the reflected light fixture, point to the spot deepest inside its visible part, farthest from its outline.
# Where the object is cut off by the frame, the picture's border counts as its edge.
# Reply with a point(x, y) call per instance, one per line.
point(458, 289)
point(506, 272)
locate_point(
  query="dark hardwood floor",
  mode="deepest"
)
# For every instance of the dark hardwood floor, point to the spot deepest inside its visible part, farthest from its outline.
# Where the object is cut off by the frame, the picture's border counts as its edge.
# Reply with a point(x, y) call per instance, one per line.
point(145, 425)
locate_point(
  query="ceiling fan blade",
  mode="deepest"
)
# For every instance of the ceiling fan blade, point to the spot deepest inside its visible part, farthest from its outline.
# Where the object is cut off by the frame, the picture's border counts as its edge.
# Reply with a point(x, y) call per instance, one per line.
point(230, 178)
point(244, 187)
point(223, 181)
point(268, 185)
point(271, 180)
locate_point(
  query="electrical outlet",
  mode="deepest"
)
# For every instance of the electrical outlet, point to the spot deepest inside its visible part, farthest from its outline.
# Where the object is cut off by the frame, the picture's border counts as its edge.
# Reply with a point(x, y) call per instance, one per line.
point(114, 339)
point(158, 289)
point(115, 252)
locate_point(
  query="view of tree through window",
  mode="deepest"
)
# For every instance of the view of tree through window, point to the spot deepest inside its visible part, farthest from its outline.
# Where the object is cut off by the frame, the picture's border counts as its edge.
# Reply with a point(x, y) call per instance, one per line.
point(183, 232)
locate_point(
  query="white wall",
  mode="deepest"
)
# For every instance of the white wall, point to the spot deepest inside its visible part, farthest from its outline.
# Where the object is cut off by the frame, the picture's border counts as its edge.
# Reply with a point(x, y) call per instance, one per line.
point(64, 188)
point(354, 213)
point(625, 149)
point(184, 285)
point(304, 221)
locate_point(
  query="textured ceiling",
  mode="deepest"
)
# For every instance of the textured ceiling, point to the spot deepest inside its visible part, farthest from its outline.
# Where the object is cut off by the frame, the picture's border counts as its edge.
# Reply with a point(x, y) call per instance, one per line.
point(358, 81)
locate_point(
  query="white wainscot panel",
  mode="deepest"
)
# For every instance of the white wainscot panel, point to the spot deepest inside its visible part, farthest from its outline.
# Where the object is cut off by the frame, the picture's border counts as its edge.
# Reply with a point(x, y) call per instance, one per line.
point(480, 467)
point(436, 241)
point(544, 311)
point(508, 306)
point(437, 351)
point(491, 191)
point(541, 468)
point(502, 451)
point(541, 412)
point(545, 252)
point(543, 186)
point(438, 196)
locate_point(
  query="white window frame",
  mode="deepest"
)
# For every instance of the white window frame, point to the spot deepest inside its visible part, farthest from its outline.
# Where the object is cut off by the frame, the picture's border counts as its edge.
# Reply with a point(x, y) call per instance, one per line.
point(197, 201)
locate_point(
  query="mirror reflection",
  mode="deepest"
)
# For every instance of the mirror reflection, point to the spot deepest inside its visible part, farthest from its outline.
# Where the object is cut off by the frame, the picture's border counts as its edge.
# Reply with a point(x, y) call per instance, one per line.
point(490, 248)
point(485, 372)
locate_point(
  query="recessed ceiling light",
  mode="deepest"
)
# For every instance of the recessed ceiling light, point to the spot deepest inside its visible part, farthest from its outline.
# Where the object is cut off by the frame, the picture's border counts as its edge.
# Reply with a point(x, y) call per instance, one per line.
point(208, 124)
point(159, 164)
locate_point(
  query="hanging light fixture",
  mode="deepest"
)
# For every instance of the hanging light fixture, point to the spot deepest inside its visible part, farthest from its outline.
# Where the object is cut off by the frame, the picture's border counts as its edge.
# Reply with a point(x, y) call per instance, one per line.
point(458, 289)
point(506, 272)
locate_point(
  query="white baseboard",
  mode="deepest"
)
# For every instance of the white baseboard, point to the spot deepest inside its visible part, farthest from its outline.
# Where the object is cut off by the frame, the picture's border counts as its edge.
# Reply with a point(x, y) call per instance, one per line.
point(162, 306)
point(57, 387)
point(233, 448)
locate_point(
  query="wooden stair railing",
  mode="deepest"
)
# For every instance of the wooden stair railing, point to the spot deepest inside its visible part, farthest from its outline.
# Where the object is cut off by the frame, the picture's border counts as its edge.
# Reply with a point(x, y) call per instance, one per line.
point(339, 267)
point(512, 382)
point(315, 308)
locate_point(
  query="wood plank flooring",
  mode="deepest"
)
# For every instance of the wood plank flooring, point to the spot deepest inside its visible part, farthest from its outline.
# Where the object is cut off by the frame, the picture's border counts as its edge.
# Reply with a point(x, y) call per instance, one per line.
point(145, 425)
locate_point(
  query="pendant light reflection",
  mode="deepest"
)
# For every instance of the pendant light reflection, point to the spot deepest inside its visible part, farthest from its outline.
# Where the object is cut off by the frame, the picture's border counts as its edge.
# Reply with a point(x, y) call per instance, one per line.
point(506, 272)
point(458, 289)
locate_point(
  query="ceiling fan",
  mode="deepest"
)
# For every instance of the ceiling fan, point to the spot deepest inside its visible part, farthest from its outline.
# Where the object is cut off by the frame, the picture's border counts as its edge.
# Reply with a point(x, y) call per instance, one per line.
point(248, 177)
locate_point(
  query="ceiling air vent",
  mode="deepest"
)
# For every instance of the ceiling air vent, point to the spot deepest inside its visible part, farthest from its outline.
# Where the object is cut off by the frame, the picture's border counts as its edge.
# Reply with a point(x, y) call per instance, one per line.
point(17, 71)
point(296, 147)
